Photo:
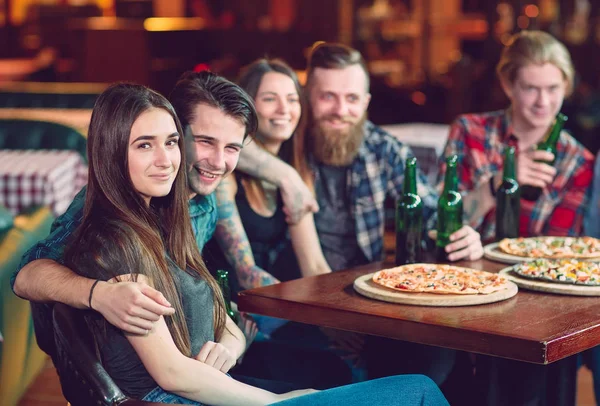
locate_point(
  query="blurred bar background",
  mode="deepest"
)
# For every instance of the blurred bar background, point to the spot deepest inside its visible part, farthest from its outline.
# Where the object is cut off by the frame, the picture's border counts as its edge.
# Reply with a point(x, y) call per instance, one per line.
point(429, 59)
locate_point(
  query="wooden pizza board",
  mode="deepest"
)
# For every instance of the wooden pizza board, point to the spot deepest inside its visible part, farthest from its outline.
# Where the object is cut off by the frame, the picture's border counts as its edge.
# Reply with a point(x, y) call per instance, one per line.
point(492, 252)
point(365, 286)
point(549, 287)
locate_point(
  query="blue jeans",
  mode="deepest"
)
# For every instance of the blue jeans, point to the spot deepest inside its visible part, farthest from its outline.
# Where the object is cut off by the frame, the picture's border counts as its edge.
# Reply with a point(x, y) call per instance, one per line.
point(158, 395)
point(400, 390)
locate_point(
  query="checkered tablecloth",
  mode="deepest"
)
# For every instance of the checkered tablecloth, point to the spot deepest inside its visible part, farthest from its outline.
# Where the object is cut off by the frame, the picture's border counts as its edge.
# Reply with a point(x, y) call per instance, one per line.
point(40, 177)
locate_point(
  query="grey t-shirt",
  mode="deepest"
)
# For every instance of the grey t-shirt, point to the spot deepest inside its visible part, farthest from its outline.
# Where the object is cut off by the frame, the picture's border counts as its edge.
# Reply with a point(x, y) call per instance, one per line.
point(334, 221)
point(118, 356)
point(122, 362)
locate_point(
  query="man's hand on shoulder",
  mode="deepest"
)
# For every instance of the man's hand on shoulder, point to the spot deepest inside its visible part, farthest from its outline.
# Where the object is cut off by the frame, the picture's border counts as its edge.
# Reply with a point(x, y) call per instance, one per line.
point(298, 200)
point(133, 307)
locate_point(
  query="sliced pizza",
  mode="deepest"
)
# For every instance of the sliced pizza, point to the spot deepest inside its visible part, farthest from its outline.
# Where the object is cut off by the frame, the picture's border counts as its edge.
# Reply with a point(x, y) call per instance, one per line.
point(552, 247)
point(440, 279)
point(561, 271)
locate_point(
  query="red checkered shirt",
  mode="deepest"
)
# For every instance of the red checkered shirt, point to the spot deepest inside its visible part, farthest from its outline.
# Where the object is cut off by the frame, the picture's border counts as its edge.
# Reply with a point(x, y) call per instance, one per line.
point(479, 141)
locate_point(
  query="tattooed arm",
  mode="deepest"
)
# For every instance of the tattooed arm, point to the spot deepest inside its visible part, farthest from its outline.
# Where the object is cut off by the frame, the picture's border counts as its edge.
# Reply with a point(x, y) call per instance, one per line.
point(232, 239)
point(297, 198)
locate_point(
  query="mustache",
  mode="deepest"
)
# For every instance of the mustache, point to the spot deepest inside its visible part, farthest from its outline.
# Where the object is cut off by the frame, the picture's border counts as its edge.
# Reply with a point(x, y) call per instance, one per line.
point(344, 119)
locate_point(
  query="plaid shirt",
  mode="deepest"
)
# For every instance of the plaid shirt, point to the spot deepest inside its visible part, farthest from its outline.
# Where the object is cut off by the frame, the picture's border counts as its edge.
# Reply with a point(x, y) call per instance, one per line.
point(203, 214)
point(479, 141)
point(376, 173)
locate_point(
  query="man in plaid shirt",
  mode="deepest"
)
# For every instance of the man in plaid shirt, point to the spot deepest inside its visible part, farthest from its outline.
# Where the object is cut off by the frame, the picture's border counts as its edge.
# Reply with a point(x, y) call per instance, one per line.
point(536, 90)
point(352, 166)
point(536, 73)
point(479, 141)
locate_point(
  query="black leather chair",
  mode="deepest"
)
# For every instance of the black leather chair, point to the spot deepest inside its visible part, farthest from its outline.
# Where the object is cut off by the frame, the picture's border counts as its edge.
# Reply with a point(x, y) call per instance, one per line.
point(83, 380)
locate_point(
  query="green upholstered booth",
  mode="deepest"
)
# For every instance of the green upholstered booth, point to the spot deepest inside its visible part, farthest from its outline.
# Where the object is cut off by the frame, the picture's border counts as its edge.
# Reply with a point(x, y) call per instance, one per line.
point(33, 134)
point(20, 358)
point(50, 95)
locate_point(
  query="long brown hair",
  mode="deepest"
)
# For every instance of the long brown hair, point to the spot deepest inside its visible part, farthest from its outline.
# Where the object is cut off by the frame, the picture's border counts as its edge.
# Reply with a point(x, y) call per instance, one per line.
point(250, 79)
point(144, 238)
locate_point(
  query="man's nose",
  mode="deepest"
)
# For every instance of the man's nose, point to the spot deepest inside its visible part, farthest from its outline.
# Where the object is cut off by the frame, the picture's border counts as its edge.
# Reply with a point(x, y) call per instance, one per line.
point(341, 108)
point(543, 98)
point(217, 159)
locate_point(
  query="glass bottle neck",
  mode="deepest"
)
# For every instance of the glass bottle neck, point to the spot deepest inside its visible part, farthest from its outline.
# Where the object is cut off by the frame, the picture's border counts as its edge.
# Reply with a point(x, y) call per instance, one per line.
point(554, 133)
point(451, 179)
point(410, 179)
point(509, 164)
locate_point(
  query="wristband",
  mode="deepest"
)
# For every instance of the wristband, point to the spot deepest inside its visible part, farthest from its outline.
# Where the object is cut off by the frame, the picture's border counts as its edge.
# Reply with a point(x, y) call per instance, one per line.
point(92, 292)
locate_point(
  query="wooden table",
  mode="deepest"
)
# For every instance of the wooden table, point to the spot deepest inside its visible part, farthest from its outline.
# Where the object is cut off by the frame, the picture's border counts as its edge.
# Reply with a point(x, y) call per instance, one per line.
point(533, 327)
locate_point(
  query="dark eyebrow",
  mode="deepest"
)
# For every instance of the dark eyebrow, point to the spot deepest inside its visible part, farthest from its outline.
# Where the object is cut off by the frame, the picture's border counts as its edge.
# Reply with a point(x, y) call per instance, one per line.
point(209, 138)
point(270, 93)
point(236, 144)
point(153, 137)
point(204, 137)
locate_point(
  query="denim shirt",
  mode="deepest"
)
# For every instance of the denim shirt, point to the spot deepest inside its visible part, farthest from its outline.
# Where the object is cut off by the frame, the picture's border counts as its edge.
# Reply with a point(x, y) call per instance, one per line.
point(203, 215)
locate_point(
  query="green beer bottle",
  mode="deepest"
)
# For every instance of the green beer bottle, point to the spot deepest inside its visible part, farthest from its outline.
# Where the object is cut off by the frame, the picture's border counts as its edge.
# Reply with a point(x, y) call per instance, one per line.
point(533, 193)
point(508, 199)
point(223, 281)
point(409, 218)
point(450, 209)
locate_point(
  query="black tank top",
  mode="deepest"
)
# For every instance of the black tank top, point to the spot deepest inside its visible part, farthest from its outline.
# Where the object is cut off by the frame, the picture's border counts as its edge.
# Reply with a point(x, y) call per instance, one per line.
point(268, 237)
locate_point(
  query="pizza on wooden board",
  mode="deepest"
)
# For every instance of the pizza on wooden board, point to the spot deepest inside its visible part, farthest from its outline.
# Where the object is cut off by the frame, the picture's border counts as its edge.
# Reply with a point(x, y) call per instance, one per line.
point(440, 279)
point(561, 271)
point(552, 247)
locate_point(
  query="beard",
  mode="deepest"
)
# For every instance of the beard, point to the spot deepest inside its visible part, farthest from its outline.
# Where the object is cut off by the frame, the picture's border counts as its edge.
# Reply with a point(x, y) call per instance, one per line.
point(336, 147)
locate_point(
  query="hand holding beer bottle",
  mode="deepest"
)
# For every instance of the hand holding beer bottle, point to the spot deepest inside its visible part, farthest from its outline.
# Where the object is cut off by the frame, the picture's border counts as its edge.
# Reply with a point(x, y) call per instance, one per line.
point(409, 218)
point(532, 193)
point(450, 209)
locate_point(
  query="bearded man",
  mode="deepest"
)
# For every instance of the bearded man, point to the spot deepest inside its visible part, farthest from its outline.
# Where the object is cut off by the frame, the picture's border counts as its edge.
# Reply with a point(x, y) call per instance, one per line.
point(352, 166)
